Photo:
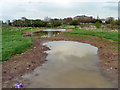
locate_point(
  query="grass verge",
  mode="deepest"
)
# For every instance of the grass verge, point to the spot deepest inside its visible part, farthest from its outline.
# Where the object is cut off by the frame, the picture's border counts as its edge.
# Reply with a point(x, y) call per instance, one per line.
point(13, 42)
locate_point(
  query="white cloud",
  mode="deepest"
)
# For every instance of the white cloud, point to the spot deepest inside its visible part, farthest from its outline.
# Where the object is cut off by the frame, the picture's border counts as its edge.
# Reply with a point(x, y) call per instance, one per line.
point(59, 0)
point(12, 9)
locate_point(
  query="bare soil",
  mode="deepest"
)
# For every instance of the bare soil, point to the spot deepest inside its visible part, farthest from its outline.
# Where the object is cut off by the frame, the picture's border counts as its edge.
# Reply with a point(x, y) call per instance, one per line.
point(13, 69)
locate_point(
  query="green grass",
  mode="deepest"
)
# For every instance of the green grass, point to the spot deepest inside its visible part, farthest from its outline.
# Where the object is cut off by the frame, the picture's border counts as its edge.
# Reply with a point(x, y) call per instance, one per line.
point(99, 33)
point(13, 42)
point(76, 35)
point(32, 29)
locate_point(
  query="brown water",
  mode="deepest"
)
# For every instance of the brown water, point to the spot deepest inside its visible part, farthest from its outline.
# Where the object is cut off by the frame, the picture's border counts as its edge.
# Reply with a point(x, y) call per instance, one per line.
point(70, 65)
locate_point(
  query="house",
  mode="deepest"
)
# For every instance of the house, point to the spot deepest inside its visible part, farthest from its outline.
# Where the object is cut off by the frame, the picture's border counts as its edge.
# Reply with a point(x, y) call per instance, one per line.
point(103, 21)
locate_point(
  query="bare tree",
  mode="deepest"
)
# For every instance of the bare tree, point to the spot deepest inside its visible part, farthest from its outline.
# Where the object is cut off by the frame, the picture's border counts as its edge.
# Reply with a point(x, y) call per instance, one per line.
point(47, 19)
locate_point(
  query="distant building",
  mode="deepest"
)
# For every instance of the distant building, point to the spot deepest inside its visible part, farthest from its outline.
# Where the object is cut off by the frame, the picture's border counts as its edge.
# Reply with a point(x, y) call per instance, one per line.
point(82, 16)
point(103, 21)
point(7, 22)
point(83, 19)
point(76, 18)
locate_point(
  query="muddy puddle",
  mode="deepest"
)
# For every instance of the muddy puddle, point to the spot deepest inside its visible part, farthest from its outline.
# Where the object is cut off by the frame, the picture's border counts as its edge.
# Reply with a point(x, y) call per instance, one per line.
point(70, 65)
point(49, 32)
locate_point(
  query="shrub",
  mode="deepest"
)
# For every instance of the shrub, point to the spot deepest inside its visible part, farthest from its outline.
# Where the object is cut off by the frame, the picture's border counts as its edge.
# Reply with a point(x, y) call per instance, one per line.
point(98, 24)
point(56, 23)
point(75, 23)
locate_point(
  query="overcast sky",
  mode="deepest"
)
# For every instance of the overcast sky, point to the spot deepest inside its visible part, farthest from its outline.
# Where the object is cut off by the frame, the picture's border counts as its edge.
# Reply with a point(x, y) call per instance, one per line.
point(14, 9)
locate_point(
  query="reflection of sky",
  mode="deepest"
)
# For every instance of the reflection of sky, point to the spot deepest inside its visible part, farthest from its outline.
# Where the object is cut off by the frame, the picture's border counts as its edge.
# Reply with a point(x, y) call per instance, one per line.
point(70, 65)
point(12, 10)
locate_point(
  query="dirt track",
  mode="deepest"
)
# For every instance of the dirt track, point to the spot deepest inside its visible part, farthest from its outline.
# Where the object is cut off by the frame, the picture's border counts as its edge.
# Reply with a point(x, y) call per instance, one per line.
point(17, 66)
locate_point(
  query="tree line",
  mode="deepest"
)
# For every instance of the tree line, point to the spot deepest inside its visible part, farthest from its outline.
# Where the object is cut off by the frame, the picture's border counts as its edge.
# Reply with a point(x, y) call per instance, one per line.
point(48, 22)
point(36, 23)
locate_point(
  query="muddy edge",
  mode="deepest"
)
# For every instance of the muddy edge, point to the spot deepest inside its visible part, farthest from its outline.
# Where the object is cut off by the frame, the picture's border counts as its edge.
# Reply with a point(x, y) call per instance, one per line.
point(17, 66)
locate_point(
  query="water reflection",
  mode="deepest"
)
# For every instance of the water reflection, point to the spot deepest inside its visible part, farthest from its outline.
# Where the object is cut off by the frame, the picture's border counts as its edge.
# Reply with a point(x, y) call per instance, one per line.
point(70, 65)
point(49, 32)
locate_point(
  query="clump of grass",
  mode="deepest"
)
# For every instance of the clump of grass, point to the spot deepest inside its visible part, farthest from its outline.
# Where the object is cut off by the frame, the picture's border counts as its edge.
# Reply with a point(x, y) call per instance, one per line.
point(13, 42)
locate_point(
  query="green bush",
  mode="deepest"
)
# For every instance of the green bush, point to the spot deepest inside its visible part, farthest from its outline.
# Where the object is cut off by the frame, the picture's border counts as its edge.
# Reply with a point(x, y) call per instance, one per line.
point(57, 23)
point(75, 23)
point(98, 24)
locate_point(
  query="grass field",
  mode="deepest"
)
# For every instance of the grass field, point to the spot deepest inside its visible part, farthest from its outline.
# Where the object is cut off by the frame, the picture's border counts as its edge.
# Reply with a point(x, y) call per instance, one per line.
point(13, 42)
point(99, 33)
